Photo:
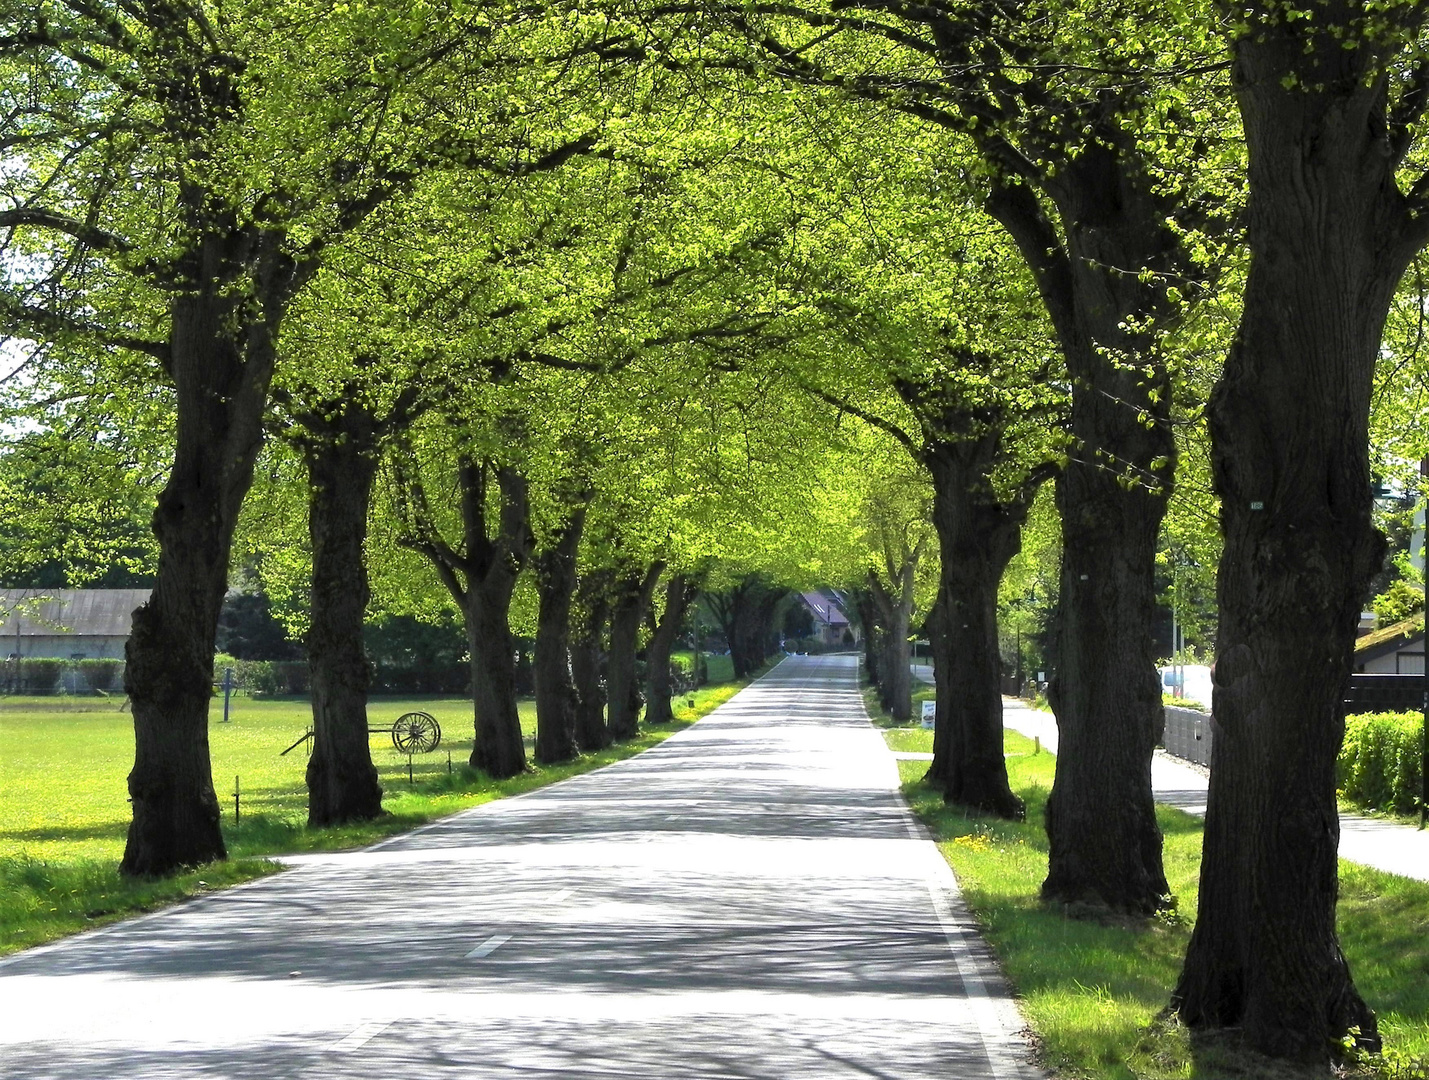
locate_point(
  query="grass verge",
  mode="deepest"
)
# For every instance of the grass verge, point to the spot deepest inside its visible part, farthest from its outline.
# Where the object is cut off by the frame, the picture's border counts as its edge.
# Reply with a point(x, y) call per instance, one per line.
point(63, 816)
point(1094, 990)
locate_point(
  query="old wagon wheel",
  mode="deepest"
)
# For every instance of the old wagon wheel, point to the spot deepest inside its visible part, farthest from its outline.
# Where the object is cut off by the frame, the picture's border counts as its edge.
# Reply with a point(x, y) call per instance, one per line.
point(416, 733)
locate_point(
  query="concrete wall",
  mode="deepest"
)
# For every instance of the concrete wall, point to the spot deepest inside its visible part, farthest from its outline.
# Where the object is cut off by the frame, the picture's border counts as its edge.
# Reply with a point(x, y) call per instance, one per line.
point(1188, 734)
point(66, 646)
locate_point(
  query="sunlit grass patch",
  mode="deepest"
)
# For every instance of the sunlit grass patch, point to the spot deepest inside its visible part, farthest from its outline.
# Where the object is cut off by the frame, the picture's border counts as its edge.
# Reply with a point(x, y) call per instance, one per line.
point(64, 812)
point(1094, 990)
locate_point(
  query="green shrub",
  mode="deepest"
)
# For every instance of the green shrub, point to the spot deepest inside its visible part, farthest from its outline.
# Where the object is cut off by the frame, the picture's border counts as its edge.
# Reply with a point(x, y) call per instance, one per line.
point(40, 674)
point(101, 674)
point(1379, 765)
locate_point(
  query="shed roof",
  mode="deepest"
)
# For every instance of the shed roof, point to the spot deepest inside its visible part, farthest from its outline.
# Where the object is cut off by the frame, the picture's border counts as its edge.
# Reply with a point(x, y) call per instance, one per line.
point(78, 612)
point(1392, 638)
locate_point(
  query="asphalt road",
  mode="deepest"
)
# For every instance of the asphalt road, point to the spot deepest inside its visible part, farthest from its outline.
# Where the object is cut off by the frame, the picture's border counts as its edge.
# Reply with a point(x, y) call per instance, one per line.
point(751, 899)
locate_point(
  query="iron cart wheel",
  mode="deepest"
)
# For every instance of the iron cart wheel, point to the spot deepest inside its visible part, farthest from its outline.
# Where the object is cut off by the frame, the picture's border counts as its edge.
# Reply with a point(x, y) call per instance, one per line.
point(416, 733)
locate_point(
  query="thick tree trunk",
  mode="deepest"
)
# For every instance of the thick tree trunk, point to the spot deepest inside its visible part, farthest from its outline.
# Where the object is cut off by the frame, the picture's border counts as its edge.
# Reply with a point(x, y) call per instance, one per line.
point(977, 536)
point(587, 656)
point(632, 598)
point(497, 749)
point(221, 386)
point(679, 593)
point(342, 781)
point(1330, 237)
point(555, 691)
point(1105, 847)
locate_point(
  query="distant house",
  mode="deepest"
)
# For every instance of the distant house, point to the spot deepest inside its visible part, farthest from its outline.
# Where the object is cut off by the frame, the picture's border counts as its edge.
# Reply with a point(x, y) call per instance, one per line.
point(67, 624)
point(1397, 649)
point(831, 625)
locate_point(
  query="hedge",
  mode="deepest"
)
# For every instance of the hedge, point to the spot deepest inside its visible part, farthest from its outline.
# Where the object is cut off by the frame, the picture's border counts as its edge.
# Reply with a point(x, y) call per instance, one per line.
point(1380, 760)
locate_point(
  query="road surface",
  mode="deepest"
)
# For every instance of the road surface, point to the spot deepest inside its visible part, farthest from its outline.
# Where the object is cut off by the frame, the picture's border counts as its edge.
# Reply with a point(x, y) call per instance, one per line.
point(750, 899)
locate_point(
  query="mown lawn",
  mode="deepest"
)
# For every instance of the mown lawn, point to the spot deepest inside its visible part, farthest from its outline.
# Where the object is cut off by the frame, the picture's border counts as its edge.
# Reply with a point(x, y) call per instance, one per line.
point(64, 812)
point(1094, 990)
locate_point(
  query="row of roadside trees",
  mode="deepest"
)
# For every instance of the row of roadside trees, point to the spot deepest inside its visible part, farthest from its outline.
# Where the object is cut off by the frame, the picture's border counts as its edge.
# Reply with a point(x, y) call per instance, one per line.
point(436, 300)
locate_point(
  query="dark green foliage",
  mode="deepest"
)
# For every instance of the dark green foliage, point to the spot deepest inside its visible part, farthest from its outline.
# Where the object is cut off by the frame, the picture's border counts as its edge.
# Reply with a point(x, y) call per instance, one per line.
point(247, 630)
point(40, 674)
point(101, 674)
point(1380, 761)
point(413, 657)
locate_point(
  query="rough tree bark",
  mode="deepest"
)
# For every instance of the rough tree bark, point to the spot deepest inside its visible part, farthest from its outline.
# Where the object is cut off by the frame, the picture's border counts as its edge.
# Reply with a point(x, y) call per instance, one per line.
point(221, 356)
point(587, 659)
point(632, 597)
point(1104, 844)
point(978, 534)
point(1330, 237)
point(481, 578)
point(342, 463)
point(680, 592)
point(895, 607)
point(555, 691)
point(868, 616)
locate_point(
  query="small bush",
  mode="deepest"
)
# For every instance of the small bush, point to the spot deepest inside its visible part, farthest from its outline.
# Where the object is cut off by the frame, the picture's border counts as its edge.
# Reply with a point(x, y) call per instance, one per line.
point(40, 674)
point(1379, 765)
point(102, 674)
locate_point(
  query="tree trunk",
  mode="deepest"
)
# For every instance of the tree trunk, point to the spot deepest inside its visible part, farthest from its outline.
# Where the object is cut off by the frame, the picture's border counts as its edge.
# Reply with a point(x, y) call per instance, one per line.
point(632, 598)
point(481, 578)
point(940, 772)
point(1330, 237)
point(221, 388)
point(977, 536)
point(1106, 294)
point(895, 609)
point(342, 781)
point(497, 749)
point(592, 734)
point(555, 691)
point(868, 615)
point(679, 593)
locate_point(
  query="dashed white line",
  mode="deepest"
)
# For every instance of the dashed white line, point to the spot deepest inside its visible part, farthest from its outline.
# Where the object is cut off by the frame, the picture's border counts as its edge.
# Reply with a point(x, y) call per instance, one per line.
point(360, 1036)
point(557, 897)
point(489, 946)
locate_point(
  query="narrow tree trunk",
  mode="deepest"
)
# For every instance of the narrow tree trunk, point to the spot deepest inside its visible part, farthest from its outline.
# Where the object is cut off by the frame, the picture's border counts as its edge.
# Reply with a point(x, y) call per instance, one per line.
point(1330, 236)
point(342, 781)
point(632, 598)
point(555, 692)
point(868, 615)
point(221, 390)
point(895, 612)
point(940, 772)
point(679, 593)
point(592, 734)
point(977, 536)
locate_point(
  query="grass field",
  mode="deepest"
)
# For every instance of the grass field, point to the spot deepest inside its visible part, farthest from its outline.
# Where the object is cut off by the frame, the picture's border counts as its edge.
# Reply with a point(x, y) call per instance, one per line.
point(1094, 990)
point(64, 812)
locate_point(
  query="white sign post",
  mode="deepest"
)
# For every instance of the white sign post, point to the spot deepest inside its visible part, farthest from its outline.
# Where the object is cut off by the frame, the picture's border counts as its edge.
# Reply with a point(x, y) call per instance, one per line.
point(929, 710)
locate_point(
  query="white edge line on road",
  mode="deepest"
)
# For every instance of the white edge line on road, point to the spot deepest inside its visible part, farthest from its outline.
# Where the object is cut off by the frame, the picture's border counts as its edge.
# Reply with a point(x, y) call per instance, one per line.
point(360, 1036)
point(997, 1018)
point(489, 946)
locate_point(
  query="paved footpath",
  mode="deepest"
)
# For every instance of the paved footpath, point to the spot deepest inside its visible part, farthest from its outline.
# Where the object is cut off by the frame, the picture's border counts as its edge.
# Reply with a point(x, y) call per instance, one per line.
point(1385, 845)
point(751, 899)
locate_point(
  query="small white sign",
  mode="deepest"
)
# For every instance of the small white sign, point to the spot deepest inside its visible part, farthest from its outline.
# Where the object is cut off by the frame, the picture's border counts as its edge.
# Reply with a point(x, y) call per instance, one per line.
point(929, 711)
